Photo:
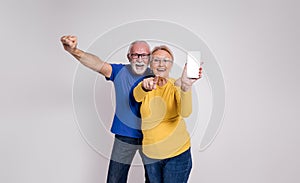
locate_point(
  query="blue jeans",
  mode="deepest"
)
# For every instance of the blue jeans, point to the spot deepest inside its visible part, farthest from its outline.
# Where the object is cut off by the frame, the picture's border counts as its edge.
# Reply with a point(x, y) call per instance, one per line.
point(171, 170)
point(123, 152)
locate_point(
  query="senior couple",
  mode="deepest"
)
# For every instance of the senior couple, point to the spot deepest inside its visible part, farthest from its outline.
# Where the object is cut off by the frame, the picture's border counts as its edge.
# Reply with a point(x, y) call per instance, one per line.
point(157, 130)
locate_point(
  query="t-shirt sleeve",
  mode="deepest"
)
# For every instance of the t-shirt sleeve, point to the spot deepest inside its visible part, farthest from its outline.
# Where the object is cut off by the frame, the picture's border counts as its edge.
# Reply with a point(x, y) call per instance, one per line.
point(115, 70)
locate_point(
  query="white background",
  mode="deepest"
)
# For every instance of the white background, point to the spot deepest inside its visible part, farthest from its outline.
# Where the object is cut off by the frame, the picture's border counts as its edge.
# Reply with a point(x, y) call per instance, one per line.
point(255, 42)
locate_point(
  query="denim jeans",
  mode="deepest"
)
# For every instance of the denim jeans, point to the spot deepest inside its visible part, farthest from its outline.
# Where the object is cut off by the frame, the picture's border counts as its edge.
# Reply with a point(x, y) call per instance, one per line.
point(123, 152)
point(171, 170)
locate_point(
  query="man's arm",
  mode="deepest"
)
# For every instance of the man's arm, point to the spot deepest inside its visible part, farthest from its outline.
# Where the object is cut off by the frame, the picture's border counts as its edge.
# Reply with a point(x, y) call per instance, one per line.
point(89, 60)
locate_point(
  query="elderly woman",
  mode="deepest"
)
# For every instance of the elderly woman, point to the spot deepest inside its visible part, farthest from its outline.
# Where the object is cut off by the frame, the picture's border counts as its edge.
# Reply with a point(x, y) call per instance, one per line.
point(164, 104)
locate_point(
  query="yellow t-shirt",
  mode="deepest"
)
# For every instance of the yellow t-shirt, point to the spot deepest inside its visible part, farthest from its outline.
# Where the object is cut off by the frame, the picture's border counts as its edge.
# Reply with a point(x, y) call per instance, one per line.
point(162, 111)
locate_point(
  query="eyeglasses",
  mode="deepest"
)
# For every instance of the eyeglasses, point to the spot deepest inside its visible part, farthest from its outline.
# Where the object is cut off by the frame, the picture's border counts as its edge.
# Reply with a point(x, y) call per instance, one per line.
point(161, 60)
point(143, 56)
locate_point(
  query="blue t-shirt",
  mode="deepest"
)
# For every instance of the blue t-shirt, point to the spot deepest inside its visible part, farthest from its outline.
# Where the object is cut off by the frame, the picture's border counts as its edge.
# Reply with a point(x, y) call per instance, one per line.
point(126, 120)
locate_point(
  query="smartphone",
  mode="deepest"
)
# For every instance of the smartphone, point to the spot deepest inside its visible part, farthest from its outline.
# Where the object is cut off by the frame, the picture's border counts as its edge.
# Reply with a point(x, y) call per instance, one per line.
point(193, 64)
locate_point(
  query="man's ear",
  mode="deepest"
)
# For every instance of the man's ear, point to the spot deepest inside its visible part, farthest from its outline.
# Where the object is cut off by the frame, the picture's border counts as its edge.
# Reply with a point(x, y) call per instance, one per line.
point(128, 57)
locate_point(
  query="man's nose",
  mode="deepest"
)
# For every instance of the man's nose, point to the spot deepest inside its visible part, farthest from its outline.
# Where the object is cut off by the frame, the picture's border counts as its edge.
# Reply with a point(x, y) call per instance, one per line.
point(139, 59)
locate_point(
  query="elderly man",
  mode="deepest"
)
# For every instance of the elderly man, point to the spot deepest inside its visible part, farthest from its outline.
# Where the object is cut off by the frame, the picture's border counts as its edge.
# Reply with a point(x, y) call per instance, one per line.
point(128, 136)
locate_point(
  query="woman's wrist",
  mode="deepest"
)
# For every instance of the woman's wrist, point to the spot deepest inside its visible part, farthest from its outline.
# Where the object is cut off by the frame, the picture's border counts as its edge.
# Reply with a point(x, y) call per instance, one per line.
point(185, 87)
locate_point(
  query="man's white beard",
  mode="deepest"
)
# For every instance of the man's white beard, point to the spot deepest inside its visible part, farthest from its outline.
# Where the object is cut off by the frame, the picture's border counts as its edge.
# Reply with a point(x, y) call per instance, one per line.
point(139, 69)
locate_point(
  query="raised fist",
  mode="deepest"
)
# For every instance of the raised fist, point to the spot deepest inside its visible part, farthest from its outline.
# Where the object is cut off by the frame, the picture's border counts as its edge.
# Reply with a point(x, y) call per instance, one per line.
point(69, 43)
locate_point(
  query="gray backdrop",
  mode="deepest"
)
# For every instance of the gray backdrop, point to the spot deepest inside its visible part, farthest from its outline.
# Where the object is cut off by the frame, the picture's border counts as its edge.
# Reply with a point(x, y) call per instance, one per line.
point(256, 44)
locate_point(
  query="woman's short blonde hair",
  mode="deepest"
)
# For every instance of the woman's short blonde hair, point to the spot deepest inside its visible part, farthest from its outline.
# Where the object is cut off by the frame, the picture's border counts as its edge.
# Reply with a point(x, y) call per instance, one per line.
point(164, 48)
